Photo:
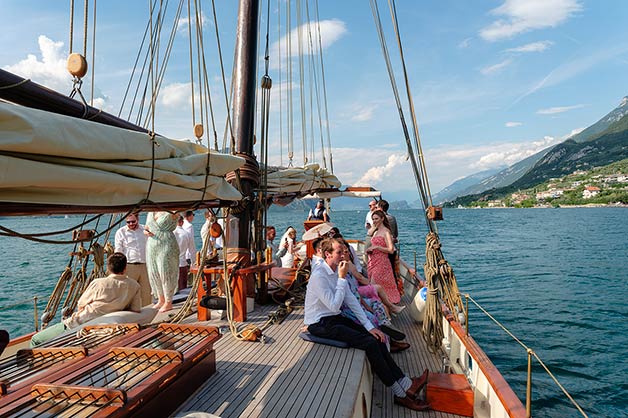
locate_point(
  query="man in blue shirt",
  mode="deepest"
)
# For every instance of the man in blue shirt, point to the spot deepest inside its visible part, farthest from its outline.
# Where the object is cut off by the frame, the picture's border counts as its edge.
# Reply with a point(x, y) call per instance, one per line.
point(326, 292)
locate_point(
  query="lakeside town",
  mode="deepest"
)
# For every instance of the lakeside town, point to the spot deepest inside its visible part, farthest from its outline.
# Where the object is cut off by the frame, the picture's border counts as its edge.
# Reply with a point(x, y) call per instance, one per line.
point(602, 186)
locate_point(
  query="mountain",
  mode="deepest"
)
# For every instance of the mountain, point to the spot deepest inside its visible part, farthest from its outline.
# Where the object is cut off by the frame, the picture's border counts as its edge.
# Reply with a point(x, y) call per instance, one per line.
point(603, 124)
point(504, 177)
point(607, 147)
point(454, 189)
point(611, 122)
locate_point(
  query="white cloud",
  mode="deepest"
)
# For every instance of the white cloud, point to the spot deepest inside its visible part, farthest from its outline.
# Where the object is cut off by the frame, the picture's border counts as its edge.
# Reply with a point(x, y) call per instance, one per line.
point(330, 32)
point(520, 16)
point(176, 95)
point(579, 65)
point(50, 71)
point(99, 103)
point(511, 153)
point(558, 109)
point(375, 175)
point(446, 164)
point(363, 165)
point(465, 43)
point(182, 24)
point(532, 47)
point(494, 69)
point(512, 124)
point(363, 113)
point(575, 132)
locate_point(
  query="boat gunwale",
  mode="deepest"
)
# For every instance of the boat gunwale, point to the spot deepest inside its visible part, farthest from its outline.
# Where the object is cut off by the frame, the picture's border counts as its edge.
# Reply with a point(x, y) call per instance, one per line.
point(510, 401)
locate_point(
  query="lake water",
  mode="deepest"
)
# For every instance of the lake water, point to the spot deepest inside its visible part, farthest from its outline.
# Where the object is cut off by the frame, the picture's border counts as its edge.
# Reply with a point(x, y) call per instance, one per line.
point(555, 277)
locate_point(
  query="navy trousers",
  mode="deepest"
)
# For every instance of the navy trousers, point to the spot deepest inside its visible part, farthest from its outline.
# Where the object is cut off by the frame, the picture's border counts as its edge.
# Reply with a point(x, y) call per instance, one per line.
point(339, 328)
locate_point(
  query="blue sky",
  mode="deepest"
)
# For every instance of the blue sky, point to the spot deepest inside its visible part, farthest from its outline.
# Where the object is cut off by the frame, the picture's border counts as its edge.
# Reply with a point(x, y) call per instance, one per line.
point(493, 81)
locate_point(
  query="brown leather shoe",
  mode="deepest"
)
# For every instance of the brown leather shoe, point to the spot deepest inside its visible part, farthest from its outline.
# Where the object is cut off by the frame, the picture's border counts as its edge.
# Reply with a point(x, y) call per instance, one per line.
point(397, 346)
point(418, 383)
point(413, 404)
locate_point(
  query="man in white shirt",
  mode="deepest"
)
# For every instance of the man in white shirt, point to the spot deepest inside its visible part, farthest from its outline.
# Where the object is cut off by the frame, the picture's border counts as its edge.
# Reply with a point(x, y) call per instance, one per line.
point(190, 254)
point(327, 290)
point(113, 293)
point(131, 241)
point(368, 222)
point(186, 244)
point(271, 233)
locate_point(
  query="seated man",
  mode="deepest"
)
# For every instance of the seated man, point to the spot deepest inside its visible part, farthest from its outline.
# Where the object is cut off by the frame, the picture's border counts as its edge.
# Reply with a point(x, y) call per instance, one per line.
point(319, 212)
point(277, 253)
point(326, 292)
point(115, 292)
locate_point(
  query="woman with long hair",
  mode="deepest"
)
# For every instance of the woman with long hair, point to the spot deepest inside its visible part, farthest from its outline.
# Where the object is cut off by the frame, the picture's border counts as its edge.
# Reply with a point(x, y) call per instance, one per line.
point(379, 268)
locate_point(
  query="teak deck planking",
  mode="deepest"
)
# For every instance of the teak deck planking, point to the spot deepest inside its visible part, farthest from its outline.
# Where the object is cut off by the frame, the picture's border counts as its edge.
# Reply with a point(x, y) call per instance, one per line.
point(289, 377)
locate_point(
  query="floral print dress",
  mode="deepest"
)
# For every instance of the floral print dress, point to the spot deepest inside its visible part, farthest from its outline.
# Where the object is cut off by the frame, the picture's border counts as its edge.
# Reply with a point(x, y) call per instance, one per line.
point(162, 255)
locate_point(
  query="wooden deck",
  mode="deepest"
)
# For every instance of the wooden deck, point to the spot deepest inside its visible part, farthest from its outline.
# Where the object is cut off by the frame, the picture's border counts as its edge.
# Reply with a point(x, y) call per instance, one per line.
point(289, 377)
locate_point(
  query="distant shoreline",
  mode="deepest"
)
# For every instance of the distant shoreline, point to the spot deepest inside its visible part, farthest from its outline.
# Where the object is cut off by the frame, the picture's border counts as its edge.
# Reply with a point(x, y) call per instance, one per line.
point(590, 205)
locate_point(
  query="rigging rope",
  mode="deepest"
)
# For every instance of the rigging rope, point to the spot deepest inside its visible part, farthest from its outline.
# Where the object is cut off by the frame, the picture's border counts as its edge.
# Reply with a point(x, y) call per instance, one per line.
point(301, 83)
point(228, 127)
point(415, 169)
point(440, 278)
point(320, 53)
point(415, 125)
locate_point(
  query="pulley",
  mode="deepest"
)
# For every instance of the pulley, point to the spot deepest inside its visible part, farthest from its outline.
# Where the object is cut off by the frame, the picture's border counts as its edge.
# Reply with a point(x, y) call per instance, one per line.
point(198, 131)
point(267, 82)
point(77, 65)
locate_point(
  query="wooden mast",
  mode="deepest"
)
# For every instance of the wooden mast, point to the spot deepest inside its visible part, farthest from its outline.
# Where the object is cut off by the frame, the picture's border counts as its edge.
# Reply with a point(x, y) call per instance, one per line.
point(247, 177)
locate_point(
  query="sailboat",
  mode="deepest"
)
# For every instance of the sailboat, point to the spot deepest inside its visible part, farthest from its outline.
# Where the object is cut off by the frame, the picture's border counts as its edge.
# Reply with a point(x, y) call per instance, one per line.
point(66, 157)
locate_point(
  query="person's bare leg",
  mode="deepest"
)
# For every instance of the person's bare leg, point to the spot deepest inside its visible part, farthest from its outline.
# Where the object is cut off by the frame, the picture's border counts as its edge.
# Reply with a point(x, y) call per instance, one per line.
point(392, 308)
point(160, 302)
point(167, 306)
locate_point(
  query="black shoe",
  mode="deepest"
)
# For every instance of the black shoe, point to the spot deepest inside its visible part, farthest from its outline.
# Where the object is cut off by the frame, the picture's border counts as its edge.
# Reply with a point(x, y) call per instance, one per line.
point(393, 333)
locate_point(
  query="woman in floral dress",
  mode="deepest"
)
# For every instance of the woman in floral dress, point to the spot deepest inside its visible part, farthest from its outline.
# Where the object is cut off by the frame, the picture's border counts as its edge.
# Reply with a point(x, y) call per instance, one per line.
point(379, 268)
point(162, 257)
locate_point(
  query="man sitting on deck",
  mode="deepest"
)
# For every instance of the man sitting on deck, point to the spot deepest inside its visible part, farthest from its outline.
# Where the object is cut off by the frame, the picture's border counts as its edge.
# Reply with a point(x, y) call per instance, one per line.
point(113, 293)
point(326, 291)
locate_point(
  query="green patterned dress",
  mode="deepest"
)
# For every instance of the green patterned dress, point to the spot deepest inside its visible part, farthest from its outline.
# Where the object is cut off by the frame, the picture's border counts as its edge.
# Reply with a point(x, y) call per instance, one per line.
point(162, 255)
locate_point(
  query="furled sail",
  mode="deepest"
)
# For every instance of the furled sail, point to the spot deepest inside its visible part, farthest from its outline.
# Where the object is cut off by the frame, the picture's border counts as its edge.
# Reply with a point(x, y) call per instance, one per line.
point(301, 180)
point(51, 159)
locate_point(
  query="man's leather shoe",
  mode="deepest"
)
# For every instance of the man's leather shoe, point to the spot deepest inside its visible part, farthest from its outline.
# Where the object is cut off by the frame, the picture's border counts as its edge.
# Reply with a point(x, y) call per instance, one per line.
point(393, 333)
point(418, 383)
point(397, 346)
point(413, 404)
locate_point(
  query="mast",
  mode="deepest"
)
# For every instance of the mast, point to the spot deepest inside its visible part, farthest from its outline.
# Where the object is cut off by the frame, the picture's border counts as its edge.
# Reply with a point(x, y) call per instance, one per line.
point(244, 84)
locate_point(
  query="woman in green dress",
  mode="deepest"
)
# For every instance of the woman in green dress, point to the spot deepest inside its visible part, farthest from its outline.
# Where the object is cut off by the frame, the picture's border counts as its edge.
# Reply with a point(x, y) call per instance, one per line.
point(162, 257)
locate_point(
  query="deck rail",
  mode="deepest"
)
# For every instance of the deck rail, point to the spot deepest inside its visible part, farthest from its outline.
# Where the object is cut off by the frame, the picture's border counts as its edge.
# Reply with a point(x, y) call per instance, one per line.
point(529, 352)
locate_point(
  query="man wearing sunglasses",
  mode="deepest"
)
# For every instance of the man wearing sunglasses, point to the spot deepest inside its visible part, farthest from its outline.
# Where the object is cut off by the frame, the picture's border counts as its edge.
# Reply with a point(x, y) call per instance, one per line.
point(131, 241)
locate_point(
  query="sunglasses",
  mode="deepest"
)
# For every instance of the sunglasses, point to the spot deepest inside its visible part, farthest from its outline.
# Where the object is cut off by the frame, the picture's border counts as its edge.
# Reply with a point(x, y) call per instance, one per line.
point(131, 222)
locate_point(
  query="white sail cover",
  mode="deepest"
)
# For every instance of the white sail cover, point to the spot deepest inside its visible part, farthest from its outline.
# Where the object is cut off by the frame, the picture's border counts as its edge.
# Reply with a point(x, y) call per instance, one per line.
point(46, 158)
point(301, 180)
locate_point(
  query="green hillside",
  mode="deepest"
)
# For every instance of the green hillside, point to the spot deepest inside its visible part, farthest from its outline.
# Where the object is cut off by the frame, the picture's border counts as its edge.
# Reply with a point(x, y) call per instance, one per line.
point(563, 159)
point(564, 190)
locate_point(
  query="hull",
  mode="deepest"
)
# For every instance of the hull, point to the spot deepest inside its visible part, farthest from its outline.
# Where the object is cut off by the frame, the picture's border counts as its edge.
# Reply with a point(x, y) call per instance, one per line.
point(492, 395)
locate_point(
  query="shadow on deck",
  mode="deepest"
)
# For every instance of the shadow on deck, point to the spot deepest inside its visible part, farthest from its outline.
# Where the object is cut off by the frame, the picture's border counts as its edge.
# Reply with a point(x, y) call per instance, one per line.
point(289, 377)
